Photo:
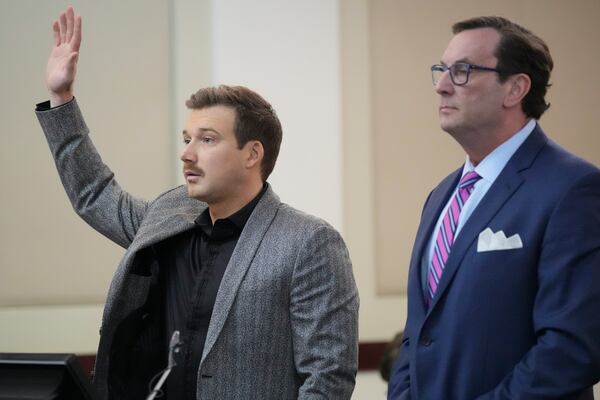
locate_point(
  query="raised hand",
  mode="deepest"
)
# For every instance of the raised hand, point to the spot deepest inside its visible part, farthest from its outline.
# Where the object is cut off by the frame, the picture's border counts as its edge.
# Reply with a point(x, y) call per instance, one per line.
point(62, 63)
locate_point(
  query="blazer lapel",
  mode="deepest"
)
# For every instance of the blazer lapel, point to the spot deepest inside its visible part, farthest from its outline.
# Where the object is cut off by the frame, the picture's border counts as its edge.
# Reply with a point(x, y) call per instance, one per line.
point(505, 185)
point(161, 225)
point(238, 265)
point(168, 222)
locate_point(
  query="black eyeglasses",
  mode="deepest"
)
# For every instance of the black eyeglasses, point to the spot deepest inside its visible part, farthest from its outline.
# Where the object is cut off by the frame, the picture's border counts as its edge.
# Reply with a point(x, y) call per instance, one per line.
point(459, 72)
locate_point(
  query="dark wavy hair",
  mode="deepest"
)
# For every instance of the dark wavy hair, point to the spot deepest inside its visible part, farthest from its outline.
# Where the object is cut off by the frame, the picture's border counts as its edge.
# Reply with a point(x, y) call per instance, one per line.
point(519, 51)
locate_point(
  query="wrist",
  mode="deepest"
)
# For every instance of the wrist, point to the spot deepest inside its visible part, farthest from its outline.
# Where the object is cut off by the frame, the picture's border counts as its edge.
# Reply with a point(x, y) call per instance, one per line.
point(58, 99)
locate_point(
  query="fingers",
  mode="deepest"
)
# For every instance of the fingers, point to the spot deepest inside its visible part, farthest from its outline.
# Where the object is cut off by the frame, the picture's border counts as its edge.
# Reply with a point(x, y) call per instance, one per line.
point(76, 41)
point(56, 30)
point(68, 29)
point(63, 27)
point(69, 20)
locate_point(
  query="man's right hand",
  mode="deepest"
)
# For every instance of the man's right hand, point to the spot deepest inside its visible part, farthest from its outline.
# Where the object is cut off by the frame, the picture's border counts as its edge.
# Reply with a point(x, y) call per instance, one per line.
point(62, 64)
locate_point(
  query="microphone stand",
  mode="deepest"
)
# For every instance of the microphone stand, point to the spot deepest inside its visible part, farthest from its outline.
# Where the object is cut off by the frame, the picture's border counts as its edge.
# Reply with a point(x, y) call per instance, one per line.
point(173, 348)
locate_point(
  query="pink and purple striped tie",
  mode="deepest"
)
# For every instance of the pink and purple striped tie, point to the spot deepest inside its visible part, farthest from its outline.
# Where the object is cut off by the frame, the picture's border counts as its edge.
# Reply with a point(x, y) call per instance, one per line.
point(445, 236)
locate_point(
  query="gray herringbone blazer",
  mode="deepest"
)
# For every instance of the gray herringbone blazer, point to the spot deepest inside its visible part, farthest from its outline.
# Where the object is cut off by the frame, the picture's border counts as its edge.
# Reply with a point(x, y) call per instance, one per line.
point(285, 320)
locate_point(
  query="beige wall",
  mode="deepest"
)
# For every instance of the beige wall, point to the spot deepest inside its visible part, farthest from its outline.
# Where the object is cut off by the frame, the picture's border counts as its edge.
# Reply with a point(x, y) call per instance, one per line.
point(47, 252)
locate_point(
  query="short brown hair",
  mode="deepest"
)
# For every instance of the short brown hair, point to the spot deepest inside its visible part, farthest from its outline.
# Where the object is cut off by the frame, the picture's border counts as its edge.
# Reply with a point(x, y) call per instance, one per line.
point(255, 118)
point(519, 51)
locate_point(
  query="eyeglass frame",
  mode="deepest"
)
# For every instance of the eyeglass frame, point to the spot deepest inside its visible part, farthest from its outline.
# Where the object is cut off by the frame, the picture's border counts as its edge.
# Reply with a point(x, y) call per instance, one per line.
point(443, 68)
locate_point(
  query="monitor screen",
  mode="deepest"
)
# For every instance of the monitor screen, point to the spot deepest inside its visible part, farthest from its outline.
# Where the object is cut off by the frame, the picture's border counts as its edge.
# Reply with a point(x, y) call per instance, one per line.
point(43, 376)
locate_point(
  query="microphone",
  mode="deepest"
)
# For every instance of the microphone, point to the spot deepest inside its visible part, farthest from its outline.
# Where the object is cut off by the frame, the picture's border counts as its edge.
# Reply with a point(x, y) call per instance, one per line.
point(174, 346)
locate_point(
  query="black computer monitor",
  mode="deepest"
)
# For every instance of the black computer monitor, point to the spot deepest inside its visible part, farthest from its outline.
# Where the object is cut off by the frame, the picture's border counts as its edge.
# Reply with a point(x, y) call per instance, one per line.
point(43, 376)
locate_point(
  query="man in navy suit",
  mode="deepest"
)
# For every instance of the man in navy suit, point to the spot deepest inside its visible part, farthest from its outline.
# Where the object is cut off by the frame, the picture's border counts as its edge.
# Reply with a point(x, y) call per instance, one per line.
point(504, 281)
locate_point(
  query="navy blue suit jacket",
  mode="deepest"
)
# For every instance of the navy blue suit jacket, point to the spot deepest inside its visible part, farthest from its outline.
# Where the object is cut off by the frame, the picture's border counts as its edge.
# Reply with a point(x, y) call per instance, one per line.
point(511, 324)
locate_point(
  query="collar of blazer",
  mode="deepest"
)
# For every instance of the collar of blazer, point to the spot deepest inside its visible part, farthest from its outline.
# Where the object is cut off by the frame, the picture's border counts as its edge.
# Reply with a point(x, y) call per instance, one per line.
point(505, 185)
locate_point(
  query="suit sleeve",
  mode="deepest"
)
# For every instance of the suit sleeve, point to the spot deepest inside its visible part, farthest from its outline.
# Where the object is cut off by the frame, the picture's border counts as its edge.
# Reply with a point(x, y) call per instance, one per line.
point(324, 317)
point(89, 183)
point(399, 384)
point(566, 357)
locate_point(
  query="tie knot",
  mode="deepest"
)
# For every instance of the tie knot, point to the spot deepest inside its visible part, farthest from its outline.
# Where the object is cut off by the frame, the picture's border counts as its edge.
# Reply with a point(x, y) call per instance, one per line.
point(469, 180)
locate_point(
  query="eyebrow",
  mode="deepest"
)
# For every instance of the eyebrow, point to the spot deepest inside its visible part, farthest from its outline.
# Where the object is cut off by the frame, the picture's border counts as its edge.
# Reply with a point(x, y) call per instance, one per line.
point(460, 60)
point(185, 132)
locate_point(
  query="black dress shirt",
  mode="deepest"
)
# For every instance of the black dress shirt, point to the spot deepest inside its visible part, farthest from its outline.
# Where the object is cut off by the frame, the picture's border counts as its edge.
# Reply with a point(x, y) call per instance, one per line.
point(192, 266)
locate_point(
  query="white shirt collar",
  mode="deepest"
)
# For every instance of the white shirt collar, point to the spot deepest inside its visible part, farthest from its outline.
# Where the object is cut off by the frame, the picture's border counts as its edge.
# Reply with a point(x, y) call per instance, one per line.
point(490, 167)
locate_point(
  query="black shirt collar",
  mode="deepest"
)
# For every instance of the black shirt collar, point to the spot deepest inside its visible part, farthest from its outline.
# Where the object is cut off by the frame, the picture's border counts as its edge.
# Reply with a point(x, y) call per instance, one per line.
point(231, 226)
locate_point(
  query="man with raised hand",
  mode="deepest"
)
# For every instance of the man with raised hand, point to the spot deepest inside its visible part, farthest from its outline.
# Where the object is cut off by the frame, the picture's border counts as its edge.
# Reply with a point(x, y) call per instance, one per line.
point(262, 294)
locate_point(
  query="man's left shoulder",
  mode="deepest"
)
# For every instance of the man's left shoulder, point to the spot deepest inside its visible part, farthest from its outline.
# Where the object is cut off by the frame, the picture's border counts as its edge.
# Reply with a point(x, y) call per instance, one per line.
point(556, 158)
point(298, 219)
point(290, 225)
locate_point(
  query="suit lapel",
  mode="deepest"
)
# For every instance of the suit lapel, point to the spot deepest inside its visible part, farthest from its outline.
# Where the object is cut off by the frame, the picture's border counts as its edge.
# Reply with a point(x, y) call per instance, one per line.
point(171, 226)
point(168, 222)
point(171, 220)
point(497, 196)
point(243, 254)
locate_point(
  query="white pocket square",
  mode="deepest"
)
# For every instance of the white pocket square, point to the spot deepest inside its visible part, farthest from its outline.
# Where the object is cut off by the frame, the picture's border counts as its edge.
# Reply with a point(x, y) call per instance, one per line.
point(490, 241)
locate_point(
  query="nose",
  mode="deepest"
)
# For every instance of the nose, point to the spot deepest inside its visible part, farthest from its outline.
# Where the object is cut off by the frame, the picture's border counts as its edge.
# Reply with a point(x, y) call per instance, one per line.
point(444, 85)
point(187, 154)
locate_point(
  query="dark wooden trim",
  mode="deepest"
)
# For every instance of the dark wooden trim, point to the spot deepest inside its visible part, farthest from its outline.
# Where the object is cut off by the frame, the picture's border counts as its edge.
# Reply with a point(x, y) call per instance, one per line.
point(87, 362)
point(370, 354)
point(369, 357)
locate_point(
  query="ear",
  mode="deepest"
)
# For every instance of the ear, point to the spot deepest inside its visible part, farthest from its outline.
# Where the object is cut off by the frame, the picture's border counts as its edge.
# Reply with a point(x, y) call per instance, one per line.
point(518, 87)
point(256, 152)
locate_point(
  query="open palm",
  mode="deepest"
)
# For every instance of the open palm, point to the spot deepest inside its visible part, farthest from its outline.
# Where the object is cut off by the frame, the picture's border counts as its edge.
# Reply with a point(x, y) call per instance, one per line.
point(62, 63)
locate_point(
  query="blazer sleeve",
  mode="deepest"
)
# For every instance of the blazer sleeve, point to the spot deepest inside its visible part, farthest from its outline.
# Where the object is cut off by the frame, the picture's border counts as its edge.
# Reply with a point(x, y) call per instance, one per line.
point(399, 384)
point(89, 183)
point(324, 317)
point(565, 360)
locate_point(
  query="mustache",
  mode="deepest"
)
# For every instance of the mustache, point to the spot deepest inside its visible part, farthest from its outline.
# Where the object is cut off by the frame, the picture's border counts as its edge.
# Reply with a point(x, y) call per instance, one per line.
point(192, 171)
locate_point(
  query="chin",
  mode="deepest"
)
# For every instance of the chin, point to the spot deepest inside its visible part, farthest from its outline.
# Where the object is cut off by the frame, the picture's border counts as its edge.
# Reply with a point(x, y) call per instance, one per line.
point(449, 125)
point(446, 127)
point(194, 193)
